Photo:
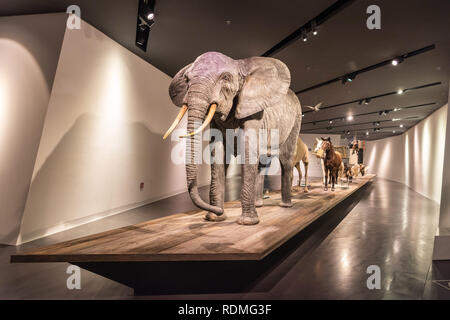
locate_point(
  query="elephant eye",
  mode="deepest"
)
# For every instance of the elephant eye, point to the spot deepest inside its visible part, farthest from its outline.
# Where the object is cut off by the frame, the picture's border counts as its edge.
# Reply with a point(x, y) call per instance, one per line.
point(226, 77)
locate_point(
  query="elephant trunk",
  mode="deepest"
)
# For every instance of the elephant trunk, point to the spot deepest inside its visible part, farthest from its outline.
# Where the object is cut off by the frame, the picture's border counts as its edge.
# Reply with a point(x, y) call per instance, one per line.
point(193, 152)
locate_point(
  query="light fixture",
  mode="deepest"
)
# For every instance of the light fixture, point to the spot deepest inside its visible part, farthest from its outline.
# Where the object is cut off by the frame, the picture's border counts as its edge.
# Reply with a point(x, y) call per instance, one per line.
point(343, 119)
point(367, 133)
point(401, 126)
point(367, 101)
point(377, 123)
point(393, 131)
point(349, 118)
point(145, 20)
point(361, 101)
point(314, 27)
point(304, 37)
point(395, 119)
point(397, 61)
point(331, 121)
point(303, 115)
point(348, 132)
point(348, 78)
point(397, 109)
point(399, 91)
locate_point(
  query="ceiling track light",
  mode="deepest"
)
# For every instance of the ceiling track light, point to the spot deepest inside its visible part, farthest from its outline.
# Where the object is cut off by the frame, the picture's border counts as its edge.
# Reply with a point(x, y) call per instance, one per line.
point(348, 78)
point(304, 37)
point(397, 61)
point(145, 20)
point(314, 27)
point(393, 61)
point(400, 91)
point(367, 101)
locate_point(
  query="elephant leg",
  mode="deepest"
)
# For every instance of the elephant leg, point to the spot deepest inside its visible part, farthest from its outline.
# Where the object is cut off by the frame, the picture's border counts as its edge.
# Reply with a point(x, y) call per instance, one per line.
point(217, 188)
point(286, 155)
point(259, 188)
point(306, 164)
point(248, 192)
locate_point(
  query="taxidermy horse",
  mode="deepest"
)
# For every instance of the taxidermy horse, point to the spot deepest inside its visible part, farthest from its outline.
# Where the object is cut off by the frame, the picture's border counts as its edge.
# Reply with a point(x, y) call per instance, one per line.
point(320, 154)
point(301, 154)
point(243, 95)
point(332, 162)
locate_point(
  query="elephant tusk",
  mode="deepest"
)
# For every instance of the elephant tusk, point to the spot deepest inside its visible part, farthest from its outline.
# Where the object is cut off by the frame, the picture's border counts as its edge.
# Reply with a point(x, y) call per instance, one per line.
point(177, 121)
point(208, 119)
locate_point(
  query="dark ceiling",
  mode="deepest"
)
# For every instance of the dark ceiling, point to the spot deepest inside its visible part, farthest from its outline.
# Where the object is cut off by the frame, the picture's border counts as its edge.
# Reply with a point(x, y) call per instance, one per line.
point(185, 29)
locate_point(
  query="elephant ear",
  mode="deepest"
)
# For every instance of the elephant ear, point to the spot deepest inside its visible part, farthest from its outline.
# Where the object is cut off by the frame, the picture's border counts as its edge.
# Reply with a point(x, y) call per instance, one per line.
point(266, 82)
point(178, 87)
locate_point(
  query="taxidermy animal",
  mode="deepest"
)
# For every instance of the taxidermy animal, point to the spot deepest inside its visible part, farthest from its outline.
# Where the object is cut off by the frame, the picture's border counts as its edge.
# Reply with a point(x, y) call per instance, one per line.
point(248, 94)
point(332, 161)
point(301, 154)
point(316, 107)
point(355, 170)
point(320, 154)
point(362, 169)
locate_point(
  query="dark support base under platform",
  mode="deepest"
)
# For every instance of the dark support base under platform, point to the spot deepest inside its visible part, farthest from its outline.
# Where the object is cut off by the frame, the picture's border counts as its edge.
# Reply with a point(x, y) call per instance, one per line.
point(197, 277)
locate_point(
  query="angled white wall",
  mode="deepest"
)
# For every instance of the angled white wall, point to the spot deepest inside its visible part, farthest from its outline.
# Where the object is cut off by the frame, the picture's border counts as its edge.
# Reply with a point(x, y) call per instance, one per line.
point(29, 51)
point(414, 158)
point(102, 138)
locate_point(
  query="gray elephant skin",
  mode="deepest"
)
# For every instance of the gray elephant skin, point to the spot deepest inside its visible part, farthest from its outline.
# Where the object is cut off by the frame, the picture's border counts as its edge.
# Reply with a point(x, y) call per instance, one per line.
point(249, 94)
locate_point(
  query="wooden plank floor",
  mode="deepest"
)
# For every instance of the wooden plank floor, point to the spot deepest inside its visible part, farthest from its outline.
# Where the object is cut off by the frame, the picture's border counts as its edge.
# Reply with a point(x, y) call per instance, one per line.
point(188, 237)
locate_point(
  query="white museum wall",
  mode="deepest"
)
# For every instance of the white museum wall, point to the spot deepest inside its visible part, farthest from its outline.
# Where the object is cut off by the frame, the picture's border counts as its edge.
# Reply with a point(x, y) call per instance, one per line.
point(102, 137)
point(29, 51)
point(414, 158)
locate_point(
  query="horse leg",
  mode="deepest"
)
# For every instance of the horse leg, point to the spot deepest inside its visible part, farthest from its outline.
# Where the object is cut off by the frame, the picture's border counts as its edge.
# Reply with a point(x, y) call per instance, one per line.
point(305, 164)
point(326, 179)
point(333, 178)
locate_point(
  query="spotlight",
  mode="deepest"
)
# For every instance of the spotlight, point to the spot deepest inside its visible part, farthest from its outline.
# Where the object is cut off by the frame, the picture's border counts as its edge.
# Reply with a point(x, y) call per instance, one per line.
point(330, 122)
point(314, 27)
point(348, 132)
point(304, 37)
point(350, 118)
point(361, 101)
point(397, 109)
point(393, 131)
point(401, 126)
point(348, 78)
point(367, 101)
point(395, 119)
point(303, 115)
point(400, 91)
point(367, 133)
point(397, 61)
point(377, 123)
point(145, 19)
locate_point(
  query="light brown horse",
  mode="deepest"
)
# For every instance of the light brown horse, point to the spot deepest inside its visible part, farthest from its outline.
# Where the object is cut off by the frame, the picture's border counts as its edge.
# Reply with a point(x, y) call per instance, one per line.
point(301, 154)
point(332, 162)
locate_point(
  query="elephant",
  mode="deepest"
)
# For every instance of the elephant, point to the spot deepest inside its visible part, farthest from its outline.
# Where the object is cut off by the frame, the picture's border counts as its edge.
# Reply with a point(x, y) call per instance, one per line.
point(246, 94)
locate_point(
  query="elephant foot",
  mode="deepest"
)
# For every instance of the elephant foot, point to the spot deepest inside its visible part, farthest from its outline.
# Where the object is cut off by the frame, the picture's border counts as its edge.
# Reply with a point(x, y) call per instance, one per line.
point(248, 220)
point(285, 204)
point(332, 189)
point(214, 217)
point(306, 189)
point(259, 203)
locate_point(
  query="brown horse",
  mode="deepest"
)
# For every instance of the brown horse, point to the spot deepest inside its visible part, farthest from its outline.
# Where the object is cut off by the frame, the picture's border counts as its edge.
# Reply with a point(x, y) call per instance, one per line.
point(332, 162)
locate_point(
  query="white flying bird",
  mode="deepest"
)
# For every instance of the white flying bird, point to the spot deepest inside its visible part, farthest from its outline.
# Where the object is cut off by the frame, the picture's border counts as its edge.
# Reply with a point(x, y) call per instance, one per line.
point(316, 107)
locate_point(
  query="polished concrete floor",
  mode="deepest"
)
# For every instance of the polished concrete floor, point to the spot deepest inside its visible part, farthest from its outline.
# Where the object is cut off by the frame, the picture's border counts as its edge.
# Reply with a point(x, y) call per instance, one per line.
point(384, 224)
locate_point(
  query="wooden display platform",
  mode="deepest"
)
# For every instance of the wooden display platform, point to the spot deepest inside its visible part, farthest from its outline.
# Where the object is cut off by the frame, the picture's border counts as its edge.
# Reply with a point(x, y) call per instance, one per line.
point(188, 237)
